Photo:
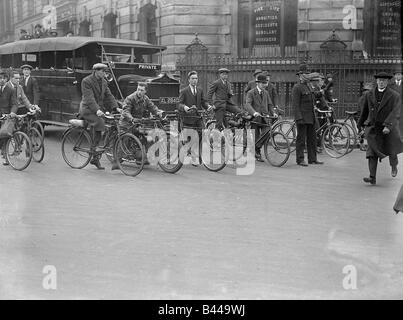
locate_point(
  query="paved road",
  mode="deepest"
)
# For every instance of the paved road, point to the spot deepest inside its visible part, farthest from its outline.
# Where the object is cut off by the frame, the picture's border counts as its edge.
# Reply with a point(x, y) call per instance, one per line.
point(284, 233)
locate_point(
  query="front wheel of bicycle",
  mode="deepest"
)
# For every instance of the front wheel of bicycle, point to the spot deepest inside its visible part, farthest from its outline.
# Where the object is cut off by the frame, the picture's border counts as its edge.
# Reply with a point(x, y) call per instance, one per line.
point(129, 154)
point(37, 125)
point(19, 151)
point(277, 149)
point(289, 129)
point(212, 150)
point(336, 141)
point(76, 147)
point(169, 159)
point(38, 146)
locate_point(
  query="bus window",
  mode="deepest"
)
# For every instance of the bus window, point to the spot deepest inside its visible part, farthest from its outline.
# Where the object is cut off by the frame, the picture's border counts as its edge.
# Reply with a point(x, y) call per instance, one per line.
point(64, 59)
point(17, 59)
point(6, 61)
point(87, 56)
point(30, 58)
point(47, 59)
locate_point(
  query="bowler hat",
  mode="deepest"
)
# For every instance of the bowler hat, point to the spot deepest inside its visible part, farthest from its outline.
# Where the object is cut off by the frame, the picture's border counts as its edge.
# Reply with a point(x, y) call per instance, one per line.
point(26, 66)
point(222, 70)
point(99, 66)
point(383, 75)
point(261, 78)
point(257, 71)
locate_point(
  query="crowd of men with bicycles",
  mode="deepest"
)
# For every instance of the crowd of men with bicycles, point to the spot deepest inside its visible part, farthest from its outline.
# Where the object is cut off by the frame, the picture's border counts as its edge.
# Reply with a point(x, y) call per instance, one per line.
point(314, 126)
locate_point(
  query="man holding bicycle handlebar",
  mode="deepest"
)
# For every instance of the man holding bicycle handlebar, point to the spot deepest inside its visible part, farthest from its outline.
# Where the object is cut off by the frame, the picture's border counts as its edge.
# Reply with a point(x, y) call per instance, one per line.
point(96, 100)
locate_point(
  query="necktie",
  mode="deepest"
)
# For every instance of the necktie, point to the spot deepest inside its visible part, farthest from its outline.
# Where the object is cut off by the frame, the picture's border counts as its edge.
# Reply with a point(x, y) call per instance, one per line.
point(26, 81)
point(194, 91)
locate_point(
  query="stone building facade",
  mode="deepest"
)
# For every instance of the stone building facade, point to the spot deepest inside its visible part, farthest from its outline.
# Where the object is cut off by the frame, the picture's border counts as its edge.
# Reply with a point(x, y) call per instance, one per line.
point(246, 29)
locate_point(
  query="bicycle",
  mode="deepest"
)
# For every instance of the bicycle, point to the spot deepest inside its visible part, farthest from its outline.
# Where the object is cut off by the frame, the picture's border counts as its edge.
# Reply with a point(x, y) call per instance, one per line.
point(334, 138)
point(211, 148)
point(356, 137)
point(32, 128)
point(275, 144)
point(132, 145)
point(18, 147)
point(77, 142)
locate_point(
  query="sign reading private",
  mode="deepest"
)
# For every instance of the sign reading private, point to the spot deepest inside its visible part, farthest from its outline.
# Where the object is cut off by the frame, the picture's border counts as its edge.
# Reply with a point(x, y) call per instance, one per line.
point(266, 22)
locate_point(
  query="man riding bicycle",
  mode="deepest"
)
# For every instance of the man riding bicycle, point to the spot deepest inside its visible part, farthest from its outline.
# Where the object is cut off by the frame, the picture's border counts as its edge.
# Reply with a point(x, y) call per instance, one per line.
point(96, 100)
point(222, 91)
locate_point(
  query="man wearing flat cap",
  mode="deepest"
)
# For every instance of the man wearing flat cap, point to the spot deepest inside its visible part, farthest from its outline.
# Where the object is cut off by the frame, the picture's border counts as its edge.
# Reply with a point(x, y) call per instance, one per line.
point(379, 116)
point(222, 92)
point(30, 85)
point(96, 100)
point(24, 35)
point(258, 103)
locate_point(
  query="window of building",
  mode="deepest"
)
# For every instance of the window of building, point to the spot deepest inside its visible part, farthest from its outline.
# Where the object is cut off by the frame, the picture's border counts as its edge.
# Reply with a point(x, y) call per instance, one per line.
point(109, 26)
point(84, 28)
point(148, 24)
point(267, 28)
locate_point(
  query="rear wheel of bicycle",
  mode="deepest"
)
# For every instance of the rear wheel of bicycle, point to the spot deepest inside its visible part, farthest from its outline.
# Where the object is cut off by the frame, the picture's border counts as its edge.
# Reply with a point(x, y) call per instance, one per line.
point(38, 147)
point(19, 151)
point(130, 154)
point(168, 156)
point(212, 150)
point(353, 136)
point(76, 147)
point(289, 129)
point(336, 141)
point(277, 149)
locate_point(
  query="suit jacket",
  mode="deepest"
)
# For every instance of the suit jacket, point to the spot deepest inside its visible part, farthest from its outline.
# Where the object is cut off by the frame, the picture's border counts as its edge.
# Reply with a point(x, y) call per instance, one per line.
point(257, 103)
point(134, 107)
point(186, 98)
point(398, 89)
point(271, 89)
point(8, 101)
point(31, 90)
point(222, 94)
point(95, 96)
point(375, 118)
point(22, 100)
point(303, 101)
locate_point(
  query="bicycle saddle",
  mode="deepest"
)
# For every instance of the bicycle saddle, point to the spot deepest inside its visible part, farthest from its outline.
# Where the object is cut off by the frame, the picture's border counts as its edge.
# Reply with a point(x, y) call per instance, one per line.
point(351, 113)
point(77, 123)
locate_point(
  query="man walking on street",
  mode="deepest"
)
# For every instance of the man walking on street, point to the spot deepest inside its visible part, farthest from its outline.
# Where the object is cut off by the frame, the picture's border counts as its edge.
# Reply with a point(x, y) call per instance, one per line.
point(380, 114)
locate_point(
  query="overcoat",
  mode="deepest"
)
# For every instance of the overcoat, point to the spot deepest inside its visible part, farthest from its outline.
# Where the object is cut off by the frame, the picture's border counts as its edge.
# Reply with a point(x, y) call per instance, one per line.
point(375, 118)
point(399, 90)
point(257, 103)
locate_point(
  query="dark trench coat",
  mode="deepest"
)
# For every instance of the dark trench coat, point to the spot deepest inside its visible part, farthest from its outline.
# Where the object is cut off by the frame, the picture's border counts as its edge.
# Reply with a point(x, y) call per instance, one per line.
point(375, 119)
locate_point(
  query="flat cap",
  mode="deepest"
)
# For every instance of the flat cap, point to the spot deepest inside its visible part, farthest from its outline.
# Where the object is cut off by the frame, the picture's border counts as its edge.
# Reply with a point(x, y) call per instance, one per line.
point(383, 75)
point(222, 70)
point(191, 73)
point(303, 68)
point(99, 66)
point(257, 71)
point(26, 66)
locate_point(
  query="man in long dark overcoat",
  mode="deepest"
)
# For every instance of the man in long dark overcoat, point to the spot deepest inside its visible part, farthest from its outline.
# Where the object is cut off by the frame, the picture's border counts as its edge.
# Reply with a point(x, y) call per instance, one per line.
point(380, 115)
point(96, 100)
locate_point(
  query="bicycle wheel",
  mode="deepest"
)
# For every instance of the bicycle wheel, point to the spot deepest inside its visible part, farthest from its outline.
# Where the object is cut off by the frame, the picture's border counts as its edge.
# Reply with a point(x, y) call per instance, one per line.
point(238, 141)
point(277, 149)
point(38, 146)
point(212, 150)
point(168, 156)
point(76, 147)
point(37, 125)
point(336, 141)
point(289, 129)
point(110, 139)
point(19, 151)
point(353, 136)
point(130, 154)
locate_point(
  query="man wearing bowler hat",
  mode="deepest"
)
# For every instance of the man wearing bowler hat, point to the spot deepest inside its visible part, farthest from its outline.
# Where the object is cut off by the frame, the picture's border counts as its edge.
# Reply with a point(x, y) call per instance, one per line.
point(96, 100)
point(252, 84)
point(379, 116)
point(30, 85)
point(258, 104)
point(222, 92)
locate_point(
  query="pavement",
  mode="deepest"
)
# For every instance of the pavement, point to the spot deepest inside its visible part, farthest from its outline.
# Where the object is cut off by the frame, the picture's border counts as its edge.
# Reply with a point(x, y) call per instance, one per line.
point(281, 233)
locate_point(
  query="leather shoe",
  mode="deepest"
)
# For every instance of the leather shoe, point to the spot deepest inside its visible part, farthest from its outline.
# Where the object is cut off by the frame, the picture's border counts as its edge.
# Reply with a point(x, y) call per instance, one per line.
point(315, 162)
point(302, 164)
point(394, 172)
point(96, 163)
point(258, 157)
point(6, 163)
point(370, 180)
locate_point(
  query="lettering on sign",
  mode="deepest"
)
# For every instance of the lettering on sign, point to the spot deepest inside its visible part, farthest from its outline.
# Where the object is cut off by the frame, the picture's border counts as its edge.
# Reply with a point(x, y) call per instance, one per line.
point(266, 22)
point(389, 24)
